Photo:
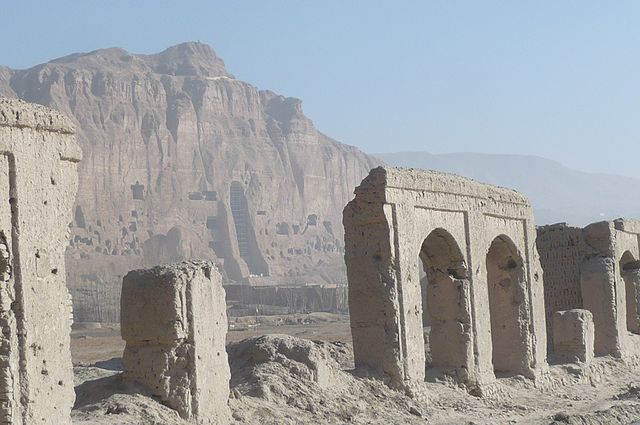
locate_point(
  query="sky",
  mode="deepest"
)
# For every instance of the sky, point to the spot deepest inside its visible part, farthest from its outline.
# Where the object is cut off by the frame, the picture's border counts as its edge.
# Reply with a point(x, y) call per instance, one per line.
point(558, 79)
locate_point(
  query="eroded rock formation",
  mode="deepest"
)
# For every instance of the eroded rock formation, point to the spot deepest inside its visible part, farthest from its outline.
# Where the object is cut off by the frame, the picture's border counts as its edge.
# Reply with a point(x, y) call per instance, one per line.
point(182, 160)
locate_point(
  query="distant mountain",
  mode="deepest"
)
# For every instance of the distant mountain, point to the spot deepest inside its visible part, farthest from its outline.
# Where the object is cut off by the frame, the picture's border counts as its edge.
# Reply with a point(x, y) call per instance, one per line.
point(558, 193)
point(183, 160)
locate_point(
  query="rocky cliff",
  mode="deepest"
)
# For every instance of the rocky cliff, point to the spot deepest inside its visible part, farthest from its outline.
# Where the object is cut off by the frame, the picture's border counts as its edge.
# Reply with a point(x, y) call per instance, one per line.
point(182, 160)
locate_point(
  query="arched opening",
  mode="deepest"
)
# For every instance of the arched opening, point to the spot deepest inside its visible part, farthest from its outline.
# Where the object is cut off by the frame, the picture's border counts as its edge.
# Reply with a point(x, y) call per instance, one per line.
point(507, 307)
point(445, 301)
point(630, 273)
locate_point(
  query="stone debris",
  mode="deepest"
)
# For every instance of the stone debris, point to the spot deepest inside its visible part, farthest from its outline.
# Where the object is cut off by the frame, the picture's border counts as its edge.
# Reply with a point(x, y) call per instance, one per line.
point(174, 323)
point(38, 183)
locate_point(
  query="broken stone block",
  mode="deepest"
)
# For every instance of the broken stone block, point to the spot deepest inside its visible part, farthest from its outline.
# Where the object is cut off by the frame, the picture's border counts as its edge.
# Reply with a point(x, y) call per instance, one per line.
point(174, 323)
point(573, 336)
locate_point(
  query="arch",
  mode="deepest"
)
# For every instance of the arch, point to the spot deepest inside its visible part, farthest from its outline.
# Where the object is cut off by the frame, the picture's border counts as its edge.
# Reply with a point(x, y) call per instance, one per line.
point(630, 273)
point(507, 307)
point(445, 300)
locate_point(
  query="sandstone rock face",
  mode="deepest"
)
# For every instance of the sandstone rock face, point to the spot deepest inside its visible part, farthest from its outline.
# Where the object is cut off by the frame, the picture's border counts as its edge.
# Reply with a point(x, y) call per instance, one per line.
point(175, 324)
point(182, 160)
point(38, 182)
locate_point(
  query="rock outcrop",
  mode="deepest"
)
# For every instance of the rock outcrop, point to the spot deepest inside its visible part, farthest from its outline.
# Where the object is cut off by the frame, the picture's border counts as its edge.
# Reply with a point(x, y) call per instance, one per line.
point(183, 161)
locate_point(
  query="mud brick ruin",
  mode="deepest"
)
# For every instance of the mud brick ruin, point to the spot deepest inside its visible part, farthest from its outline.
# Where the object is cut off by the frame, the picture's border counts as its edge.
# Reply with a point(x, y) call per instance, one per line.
point(174, 322)
point(573, 336)
point(38, 183)
point(484, 294)
point(596, 268)
point(424, 250)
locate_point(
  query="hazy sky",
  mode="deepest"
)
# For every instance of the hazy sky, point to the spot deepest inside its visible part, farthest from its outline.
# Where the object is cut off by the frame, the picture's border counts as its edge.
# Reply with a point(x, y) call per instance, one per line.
point(559, 79)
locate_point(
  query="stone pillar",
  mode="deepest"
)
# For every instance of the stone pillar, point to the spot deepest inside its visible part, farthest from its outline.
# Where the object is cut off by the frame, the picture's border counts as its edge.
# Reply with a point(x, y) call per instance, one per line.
point(377, 320)
point(573, 336)
point(174, 322)
point(632, 279)
point(38, 184)
point(598, 286)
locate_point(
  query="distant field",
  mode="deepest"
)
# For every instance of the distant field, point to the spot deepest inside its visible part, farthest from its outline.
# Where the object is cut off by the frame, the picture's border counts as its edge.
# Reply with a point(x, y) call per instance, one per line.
point(91, 344)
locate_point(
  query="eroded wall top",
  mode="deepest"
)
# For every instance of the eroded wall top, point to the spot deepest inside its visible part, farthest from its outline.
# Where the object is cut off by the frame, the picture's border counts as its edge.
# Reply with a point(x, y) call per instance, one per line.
point(433, 181)
point(17, 113)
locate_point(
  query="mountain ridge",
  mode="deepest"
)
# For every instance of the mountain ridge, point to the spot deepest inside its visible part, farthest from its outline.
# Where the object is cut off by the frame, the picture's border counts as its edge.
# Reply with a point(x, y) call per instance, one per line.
point(558, 193)
point(182, 160)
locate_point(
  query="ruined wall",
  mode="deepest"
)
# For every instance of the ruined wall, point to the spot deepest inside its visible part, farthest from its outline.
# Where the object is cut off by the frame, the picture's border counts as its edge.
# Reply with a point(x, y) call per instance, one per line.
point(38, 183)
point(562, 251)
point(614, 246)
point(597, 269)
point(174, 323)
point(490, 268)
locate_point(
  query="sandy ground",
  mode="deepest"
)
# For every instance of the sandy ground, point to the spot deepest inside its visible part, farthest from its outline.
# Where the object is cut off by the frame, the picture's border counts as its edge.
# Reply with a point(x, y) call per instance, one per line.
point(606, 392)
point(95, 343)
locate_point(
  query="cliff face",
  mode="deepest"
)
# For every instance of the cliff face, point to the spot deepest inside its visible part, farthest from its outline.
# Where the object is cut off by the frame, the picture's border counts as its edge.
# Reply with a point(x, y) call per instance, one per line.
point(182, 160)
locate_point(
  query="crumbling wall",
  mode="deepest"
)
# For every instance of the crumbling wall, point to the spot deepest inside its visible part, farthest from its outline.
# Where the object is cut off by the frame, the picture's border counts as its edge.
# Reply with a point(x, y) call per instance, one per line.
point(395, 217)
point(562, 251)
point(613, 245)
point(595, 268)
point(173, 319)
point(38, 183)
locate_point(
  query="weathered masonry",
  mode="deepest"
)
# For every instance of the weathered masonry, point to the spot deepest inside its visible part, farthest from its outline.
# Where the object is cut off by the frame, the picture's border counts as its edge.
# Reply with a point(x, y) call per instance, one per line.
point(482, 293)
point(173, 319)
point(38, 183)
point(573, 336)
point(597, 269)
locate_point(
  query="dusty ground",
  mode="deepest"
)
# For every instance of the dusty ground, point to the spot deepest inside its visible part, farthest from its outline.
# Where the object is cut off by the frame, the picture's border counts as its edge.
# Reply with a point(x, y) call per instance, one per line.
point(281, 391)
point(94, 343)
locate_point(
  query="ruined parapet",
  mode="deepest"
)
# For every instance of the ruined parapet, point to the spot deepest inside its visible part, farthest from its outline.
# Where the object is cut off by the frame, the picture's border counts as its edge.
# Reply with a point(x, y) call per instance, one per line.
point(173, 319)
point(484, 293)
point(38, 183)
point(573, 336)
